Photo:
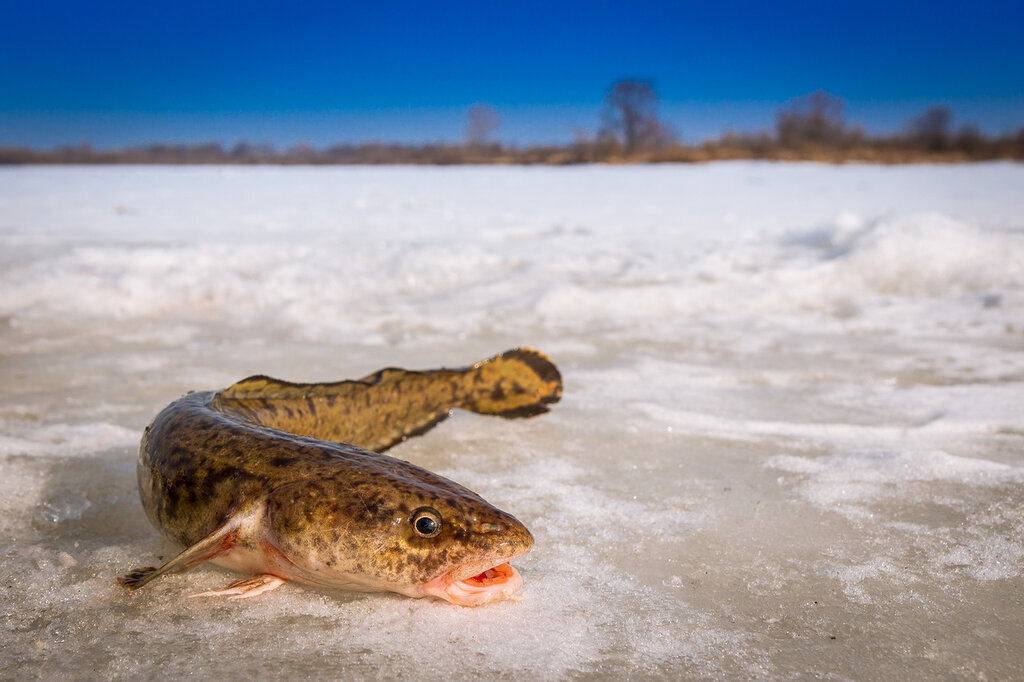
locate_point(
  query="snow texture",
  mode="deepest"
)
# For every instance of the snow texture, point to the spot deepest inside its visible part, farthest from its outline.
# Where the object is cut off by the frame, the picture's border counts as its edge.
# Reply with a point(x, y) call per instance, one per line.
point(791, 442)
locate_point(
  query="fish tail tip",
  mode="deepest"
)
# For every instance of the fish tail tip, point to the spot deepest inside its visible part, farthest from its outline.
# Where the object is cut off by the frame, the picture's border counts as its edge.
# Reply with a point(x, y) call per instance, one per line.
point(520, 382)
point(537, 361)
point(544, 369)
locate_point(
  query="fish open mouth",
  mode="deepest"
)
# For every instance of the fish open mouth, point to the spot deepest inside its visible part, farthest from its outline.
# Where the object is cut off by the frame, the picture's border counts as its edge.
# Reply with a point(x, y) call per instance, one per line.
point(490, 584)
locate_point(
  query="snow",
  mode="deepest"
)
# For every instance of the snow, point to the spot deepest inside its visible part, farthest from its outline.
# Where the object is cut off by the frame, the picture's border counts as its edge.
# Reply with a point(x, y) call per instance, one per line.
point(790, 442)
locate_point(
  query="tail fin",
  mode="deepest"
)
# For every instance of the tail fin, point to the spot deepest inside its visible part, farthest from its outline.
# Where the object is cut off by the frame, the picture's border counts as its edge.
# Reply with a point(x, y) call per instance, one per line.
point(516, 383)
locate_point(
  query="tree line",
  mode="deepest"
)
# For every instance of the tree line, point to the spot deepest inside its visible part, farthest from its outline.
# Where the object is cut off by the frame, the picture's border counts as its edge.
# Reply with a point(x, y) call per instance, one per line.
point(811, 127)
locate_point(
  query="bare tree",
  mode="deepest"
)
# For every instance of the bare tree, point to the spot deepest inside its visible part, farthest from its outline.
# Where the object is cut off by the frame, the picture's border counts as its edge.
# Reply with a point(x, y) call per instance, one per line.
point(969, 140)
point(931, 129)
point(631, 116)
point(482, 120)
point(816, 118)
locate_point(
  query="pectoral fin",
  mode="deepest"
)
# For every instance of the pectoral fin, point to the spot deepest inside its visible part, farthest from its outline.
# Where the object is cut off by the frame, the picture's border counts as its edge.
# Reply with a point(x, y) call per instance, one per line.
point(213, 545)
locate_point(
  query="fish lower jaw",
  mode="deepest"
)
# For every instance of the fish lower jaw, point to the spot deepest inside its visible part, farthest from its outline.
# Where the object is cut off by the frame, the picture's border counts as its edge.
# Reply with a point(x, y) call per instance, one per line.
point(492, 584)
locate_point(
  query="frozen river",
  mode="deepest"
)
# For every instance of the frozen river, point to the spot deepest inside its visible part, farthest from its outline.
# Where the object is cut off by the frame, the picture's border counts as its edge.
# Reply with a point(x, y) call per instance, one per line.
point(791, 441)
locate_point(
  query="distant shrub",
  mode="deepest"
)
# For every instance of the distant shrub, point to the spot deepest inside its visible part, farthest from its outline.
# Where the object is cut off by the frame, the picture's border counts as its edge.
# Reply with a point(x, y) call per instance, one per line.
point(812, 120)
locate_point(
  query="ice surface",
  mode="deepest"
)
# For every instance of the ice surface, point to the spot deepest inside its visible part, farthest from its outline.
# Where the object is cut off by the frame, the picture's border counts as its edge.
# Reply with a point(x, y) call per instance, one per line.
point(790, 443)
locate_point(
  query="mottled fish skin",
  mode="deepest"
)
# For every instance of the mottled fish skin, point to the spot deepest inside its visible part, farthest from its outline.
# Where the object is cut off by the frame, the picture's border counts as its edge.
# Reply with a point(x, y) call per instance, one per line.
point(393, 404)
point(288, 479)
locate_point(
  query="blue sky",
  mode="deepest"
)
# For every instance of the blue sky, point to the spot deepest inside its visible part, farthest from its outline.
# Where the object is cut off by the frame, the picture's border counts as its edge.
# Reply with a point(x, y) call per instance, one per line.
point(122, 73)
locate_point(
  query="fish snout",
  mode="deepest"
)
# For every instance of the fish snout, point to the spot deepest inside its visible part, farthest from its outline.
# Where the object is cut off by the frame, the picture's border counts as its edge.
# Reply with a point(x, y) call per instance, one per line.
point(516, 535)
point(525, 538)
point(505, 530)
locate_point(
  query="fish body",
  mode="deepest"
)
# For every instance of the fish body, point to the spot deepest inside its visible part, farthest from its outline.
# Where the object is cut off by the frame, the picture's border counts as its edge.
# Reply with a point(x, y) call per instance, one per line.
point(287, 481)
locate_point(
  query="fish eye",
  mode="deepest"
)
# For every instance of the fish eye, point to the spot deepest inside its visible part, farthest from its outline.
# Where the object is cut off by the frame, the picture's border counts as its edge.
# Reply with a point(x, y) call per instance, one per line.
point(426, 522)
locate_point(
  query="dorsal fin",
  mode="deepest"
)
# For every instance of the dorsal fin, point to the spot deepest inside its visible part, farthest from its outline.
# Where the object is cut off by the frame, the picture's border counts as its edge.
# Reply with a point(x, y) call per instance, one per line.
point(392, 404)
point(262, 387)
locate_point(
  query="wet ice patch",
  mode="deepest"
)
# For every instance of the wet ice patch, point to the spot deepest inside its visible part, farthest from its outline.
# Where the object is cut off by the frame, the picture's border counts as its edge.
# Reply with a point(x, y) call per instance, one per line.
point(856, 579)
point(930, 518)
point(899, 561)
point(21, 488)
point(556, 495)
point(848, 482)
point(756, 430)
point(48, 440)
point(30, 453)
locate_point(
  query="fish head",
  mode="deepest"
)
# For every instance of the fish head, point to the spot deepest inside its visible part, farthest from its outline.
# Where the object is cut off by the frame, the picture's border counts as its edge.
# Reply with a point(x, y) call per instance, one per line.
point(402, 529)
point(459, 549)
